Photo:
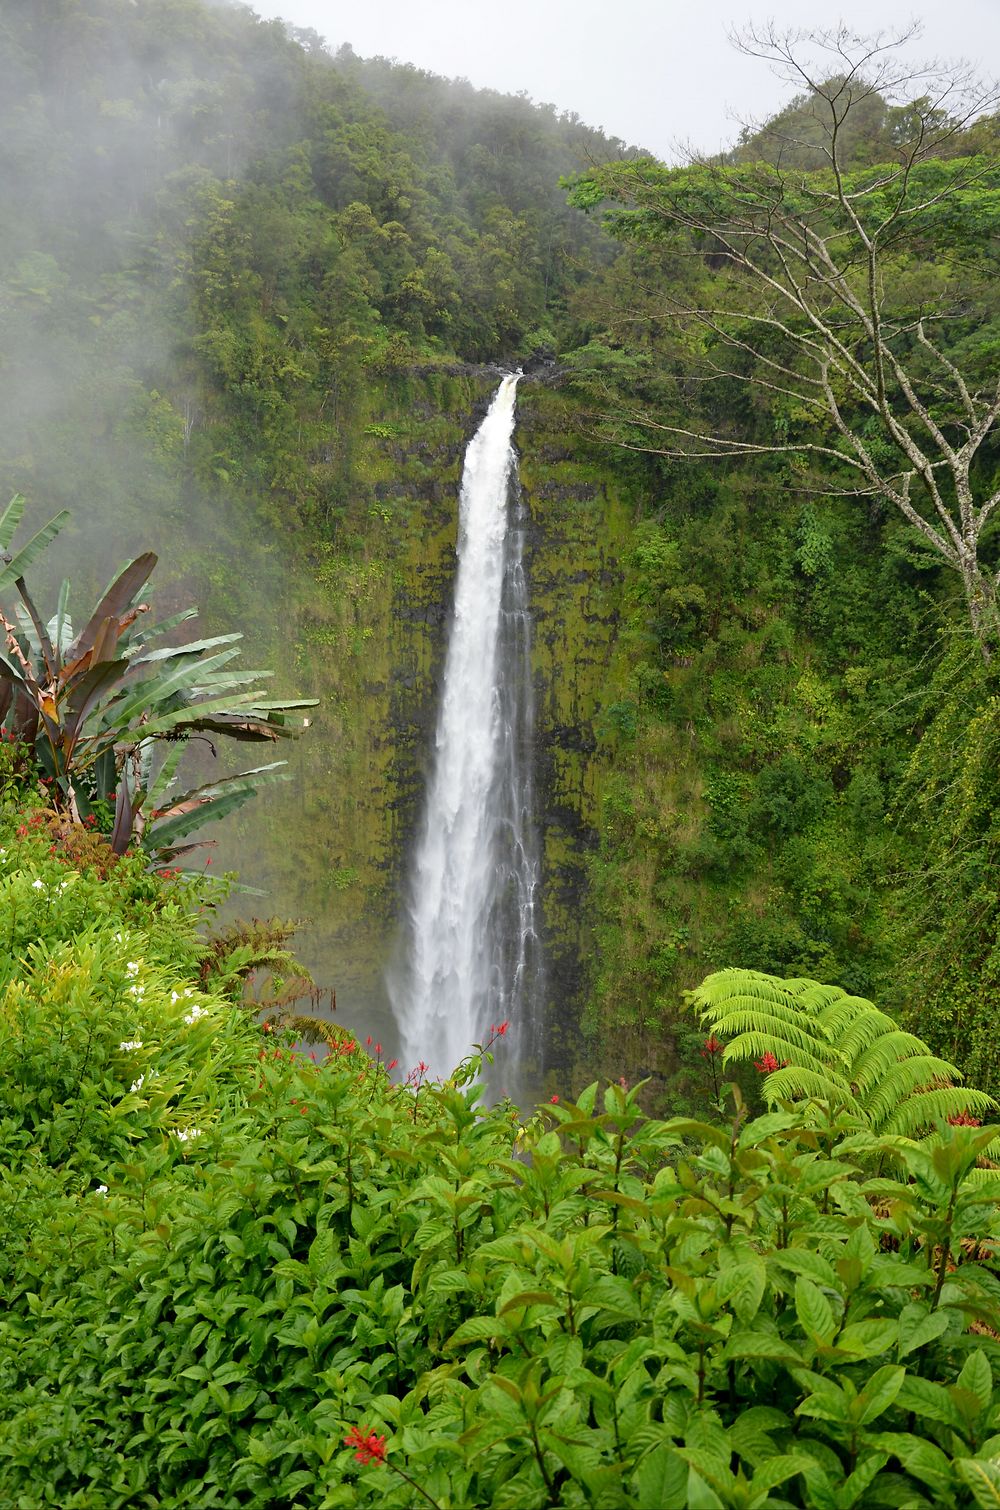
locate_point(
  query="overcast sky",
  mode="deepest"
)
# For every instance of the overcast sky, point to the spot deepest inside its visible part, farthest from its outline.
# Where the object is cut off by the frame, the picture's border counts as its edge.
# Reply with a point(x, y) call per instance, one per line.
point(655, 72)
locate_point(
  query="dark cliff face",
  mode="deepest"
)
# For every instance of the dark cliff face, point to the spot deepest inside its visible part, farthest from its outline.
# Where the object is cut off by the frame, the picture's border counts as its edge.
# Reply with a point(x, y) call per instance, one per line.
point(366, 630)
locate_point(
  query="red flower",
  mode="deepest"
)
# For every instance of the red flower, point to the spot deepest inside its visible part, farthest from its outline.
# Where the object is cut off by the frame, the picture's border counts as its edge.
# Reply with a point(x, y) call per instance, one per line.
point(711, 1046)
point(767, 1062)
point(962, 1119)
point(553, 1099)
point(368, 1445)
point(392, 1064)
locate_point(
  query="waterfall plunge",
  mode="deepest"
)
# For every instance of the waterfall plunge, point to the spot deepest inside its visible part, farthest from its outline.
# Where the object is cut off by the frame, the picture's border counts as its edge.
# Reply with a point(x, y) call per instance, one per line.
point(473, 951)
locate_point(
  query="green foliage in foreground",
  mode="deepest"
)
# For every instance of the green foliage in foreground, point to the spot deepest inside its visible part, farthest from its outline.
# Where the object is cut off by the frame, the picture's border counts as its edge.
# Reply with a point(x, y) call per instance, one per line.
point(220, 1258)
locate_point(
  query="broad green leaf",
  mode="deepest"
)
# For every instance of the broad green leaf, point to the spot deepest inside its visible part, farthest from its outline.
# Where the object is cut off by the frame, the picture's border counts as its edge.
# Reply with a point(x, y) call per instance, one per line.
point(754, 1343)
point(866, 1339)
point(475, 1329)
point(813, 1310)
point(525, 1298)
point(977, 1377)
point(878, 1394)
point(918, 1325)
point(925, 1398)
point(777, 1471)
point(805, 1262)
point(661, 1479)
point(983, 1478)
point(742, 1285)
point(923, 1459)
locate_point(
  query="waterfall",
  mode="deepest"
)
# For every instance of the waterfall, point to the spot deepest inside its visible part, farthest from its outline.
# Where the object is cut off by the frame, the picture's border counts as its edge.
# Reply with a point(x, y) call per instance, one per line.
point(473, 955)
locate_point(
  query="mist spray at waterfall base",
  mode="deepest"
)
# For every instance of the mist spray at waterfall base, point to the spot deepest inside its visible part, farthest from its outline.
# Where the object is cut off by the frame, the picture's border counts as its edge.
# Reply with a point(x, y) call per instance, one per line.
point(473, 955)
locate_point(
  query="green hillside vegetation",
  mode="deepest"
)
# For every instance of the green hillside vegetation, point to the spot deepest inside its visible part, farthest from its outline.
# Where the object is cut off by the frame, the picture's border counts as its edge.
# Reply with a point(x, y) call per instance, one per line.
point(218, 238)
point(804, 743)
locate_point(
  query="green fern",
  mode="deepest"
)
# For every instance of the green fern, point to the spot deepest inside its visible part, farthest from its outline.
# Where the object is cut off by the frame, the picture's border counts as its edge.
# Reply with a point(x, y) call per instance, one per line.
point(836, 1048)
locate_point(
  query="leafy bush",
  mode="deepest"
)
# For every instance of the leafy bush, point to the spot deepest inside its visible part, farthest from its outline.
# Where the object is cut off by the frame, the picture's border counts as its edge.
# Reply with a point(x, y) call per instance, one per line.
point(236, 1276)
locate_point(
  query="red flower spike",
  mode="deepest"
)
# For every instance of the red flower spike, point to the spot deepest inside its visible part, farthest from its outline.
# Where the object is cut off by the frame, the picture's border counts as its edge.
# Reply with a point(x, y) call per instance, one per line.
point(370, 1447)
point(767, 1063)
point(553, 1099)
point(392, 1064)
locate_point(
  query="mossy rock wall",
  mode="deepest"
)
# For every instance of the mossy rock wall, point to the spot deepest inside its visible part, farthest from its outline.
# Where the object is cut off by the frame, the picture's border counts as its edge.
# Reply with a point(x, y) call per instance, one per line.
point(363, 627)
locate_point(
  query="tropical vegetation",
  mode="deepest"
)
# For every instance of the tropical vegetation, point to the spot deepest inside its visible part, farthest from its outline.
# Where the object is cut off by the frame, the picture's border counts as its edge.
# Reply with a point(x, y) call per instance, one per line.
point(239, 1275)
point(89, 710)
point(253, 291)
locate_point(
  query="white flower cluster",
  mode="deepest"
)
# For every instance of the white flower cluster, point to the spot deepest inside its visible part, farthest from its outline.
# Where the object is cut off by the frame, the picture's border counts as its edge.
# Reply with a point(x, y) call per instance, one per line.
point(194, 1014)
point(137, 1085)
point(185, 1134)
point(130, 1044)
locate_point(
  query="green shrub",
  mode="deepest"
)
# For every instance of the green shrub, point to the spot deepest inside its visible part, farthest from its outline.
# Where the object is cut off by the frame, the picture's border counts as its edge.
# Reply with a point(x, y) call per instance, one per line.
point(237, 1276)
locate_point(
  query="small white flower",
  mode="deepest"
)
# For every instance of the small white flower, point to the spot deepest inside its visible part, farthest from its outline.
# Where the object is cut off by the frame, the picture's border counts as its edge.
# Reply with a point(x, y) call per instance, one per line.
point(132, 968)
point(185, 1134)
point(137, 1085)
point(38, 885)
point(101, 1190)
point(194, 1014)
point(137, 991)
point(130, 1044)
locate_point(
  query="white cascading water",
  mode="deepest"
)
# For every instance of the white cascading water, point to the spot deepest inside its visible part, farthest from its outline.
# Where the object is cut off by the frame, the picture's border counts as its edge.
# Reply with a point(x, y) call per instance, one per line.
point(473, 953)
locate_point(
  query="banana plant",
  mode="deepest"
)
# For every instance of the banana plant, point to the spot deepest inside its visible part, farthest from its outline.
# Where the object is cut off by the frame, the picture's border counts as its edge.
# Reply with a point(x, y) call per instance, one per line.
point(98, 705)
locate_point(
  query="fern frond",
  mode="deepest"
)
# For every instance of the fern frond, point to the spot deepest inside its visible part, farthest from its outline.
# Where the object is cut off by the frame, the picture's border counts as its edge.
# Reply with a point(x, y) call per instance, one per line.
point(922, 1111)
point(855, 1035)
point(738, 1002)
point(839, 1048)
point(756, 1042)
point(981, 1176)
point(916, 1076)
point(794, 1081)
point(882, 1054)
point(812, 993)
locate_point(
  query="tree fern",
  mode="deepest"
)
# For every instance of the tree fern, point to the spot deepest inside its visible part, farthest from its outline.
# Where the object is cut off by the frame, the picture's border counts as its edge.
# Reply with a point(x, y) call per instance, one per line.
point(836, 1048)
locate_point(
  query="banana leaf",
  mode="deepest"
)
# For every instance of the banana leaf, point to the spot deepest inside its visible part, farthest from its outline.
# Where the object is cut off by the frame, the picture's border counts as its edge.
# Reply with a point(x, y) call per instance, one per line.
point(18, 565)
point(10, 519)
point(114, 602)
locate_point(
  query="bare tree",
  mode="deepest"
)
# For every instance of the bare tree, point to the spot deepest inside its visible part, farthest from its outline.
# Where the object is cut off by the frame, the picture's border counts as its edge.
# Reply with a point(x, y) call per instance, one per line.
point(810, 299)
